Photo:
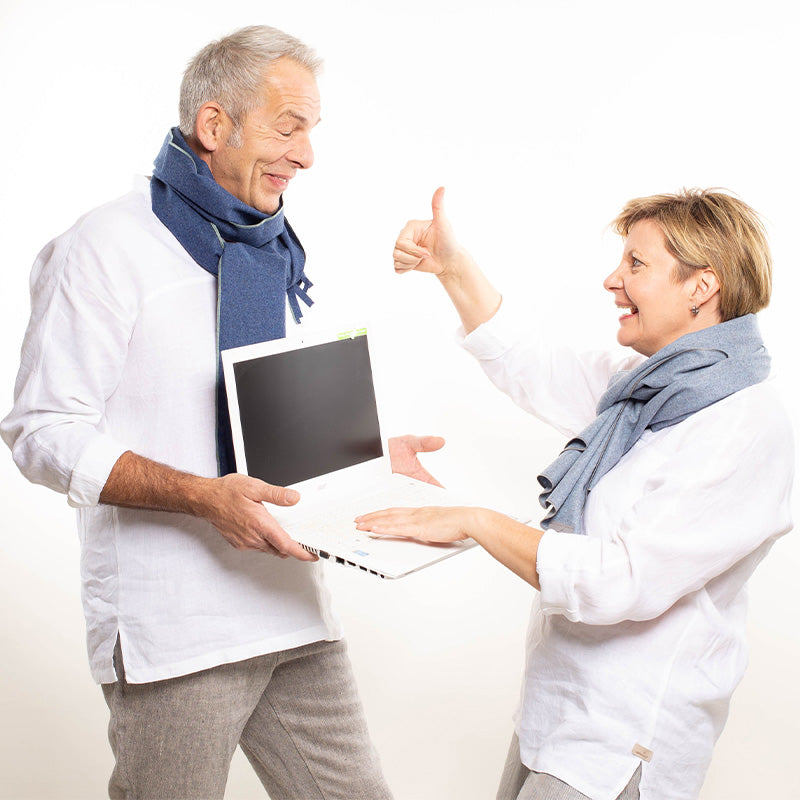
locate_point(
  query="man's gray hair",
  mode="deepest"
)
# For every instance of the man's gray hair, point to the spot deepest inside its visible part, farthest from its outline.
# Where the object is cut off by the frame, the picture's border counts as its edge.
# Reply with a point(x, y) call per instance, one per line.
point(231, 72)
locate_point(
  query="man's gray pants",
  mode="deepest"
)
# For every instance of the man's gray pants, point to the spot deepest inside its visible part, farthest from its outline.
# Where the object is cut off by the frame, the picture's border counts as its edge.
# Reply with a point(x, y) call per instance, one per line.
point(296, 715)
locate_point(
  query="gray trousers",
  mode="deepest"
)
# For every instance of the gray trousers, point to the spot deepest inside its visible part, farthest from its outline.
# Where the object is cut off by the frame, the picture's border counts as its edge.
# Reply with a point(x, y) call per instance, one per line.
point(520, 783)
point(296, 715)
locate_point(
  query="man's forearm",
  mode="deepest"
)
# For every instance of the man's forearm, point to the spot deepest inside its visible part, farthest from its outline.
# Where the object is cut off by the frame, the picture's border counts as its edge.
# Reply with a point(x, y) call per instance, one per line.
point(138, 482)
point(234, 504)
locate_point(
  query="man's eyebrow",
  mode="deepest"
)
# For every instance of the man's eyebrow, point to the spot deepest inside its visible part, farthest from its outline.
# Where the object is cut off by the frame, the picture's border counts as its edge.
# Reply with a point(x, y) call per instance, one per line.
point(303, 120)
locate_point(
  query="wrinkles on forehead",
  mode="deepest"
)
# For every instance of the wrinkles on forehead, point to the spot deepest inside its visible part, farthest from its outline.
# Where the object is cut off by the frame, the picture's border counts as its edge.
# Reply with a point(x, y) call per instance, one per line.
point(290, 90)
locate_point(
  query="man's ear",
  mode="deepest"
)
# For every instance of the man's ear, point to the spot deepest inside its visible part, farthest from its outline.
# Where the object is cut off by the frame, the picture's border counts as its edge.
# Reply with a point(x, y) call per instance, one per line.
point(212, 126)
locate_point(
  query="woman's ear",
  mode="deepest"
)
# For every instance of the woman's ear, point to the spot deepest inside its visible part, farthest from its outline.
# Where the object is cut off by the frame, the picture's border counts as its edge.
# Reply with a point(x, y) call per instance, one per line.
point(706, 286)
point(211, 126)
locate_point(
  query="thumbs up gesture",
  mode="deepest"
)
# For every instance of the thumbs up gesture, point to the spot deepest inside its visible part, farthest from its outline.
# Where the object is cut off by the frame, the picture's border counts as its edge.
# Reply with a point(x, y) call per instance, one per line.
point(429, 245)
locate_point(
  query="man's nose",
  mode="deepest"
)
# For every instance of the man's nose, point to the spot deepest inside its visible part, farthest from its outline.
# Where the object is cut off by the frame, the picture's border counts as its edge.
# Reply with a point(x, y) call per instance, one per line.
point(303, 153)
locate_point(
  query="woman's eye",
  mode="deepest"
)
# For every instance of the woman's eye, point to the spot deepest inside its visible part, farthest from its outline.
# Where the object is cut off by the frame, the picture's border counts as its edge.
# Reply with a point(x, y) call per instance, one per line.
point(636, 263)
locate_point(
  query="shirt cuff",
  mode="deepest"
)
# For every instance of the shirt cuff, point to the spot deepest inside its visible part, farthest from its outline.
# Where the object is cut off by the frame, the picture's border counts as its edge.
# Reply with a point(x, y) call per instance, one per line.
point(556, 561)
point(90, 474)
point(493, 338)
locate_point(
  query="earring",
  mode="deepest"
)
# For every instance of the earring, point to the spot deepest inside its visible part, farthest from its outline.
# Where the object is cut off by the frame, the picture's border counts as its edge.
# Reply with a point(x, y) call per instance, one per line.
point(695, 310)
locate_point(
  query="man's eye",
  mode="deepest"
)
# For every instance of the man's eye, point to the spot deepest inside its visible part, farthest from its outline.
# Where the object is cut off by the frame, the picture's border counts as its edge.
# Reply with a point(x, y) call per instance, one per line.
point(287, 134)
point(636, 263)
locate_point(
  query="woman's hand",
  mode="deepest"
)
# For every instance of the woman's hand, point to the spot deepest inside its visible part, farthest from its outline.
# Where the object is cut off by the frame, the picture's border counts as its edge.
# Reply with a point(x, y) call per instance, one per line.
point(512, 543)
point(430, 524)
point(430, 245)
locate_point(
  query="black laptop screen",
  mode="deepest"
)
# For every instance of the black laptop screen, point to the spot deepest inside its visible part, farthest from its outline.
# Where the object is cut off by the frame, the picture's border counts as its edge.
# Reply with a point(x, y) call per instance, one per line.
point(309, 411)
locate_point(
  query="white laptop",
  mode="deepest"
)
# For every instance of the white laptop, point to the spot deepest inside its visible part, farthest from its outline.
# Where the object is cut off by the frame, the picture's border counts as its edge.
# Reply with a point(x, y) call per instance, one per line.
point(304, 414)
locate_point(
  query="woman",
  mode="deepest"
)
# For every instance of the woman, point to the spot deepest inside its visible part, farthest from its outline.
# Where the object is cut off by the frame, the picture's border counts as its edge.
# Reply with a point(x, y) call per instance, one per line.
point(674, 485)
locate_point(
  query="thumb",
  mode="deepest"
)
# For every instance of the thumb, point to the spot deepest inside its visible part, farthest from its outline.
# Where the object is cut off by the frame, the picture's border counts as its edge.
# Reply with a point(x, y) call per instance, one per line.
point(278, 495)
point(437, 205)
point(427, 444)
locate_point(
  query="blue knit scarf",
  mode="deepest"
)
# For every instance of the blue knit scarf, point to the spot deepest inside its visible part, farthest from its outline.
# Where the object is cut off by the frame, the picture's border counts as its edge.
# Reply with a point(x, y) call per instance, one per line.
point(692, 372)
point(257, 259)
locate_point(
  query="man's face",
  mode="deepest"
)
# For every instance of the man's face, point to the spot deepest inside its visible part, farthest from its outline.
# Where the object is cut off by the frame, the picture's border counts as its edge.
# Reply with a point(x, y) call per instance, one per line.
point(275, 139)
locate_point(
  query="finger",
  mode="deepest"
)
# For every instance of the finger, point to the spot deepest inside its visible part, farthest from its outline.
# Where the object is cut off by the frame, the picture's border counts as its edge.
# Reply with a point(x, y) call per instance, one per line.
point(414, 230)
point(278, 495)
point(427, 444)
point(406, 249)
point(300, 553)
point(266, 547)
point(397, 530)
point(286, 547)
point(383, 527)
point(271, 534)
point(437, 205)
point(403, 262)
point(384, 515)
point(371, 517)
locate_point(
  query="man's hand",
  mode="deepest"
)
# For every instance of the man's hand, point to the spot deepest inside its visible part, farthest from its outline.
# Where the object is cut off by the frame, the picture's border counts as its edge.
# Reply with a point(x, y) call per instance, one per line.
point(237, 511)
point(403, 454)
point(233, 504)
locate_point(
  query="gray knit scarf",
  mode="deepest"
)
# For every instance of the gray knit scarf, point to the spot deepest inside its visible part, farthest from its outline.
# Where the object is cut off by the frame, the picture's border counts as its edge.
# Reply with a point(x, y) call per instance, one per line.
point(692, 372)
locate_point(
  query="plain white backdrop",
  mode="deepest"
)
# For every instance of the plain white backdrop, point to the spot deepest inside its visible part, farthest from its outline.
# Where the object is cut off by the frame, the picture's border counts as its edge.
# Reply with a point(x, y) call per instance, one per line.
point(541, 119)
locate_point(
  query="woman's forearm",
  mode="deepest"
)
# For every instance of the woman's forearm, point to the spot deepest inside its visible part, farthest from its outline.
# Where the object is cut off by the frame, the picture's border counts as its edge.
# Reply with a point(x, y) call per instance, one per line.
point(513, 544)
point(476, 300)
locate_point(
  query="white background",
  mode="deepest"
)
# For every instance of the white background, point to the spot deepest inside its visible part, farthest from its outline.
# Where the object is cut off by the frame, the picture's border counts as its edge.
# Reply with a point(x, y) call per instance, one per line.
point(541, 119)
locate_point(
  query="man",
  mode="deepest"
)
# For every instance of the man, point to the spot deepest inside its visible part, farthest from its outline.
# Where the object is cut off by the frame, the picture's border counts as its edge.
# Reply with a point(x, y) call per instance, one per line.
point(199, 635)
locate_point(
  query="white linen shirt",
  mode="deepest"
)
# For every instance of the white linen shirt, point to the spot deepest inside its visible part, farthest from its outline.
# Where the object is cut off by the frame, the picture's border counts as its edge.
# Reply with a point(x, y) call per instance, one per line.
point(120, 355)
point(637, 640)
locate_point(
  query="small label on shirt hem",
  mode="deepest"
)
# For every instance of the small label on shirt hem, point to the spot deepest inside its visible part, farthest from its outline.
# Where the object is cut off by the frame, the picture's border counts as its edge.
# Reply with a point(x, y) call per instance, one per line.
point(640, 751)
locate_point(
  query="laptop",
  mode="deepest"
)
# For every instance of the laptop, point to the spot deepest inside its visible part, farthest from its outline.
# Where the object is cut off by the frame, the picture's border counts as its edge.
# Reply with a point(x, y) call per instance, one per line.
point(304, 414)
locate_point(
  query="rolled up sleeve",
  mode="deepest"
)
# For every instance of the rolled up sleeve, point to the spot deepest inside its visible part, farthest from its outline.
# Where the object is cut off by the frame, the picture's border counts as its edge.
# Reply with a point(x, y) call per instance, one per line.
point(73, 354)
point(717, 500)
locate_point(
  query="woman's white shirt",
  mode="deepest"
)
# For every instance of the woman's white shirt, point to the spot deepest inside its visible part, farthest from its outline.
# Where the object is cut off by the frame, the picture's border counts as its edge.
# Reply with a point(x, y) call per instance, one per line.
point(637, 642)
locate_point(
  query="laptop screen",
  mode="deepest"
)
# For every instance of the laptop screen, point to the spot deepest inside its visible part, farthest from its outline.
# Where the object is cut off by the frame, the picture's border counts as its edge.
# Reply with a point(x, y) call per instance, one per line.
point(309, 411)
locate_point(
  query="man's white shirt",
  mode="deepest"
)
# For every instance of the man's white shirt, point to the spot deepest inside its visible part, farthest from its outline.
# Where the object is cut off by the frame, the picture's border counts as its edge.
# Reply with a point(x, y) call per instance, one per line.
point(120, 355)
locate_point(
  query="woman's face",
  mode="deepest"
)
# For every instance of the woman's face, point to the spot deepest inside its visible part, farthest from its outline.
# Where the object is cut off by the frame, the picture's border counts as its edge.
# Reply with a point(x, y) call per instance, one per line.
point(657, 307)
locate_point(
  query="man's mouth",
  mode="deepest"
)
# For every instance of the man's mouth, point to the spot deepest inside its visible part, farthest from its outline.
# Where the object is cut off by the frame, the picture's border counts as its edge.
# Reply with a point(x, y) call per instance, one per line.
point(281, 181)
point(628, 310)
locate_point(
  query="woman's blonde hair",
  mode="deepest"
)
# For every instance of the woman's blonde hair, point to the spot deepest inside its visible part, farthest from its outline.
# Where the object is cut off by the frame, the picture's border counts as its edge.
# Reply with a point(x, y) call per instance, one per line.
point(709, 228)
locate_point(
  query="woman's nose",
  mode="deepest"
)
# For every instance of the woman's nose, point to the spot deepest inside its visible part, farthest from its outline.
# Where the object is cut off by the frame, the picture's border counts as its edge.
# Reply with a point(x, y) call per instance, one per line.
point(614, 280)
